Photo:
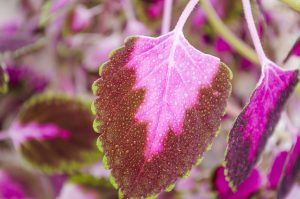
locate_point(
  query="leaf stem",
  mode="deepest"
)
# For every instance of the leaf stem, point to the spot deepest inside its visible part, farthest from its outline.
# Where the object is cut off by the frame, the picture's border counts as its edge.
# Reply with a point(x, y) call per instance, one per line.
point(240, 46)
point(166, 22)
point(185, 14)
point(254, 34)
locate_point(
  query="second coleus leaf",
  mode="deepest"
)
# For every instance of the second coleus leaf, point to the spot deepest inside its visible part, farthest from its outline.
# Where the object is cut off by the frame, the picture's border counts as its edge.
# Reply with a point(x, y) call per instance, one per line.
point(257, 121)
point(54, 133)
point(159, 105)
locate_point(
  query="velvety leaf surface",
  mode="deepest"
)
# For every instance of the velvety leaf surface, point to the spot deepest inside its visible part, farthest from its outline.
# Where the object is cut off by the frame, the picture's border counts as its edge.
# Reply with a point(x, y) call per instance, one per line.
point(243, 191)
point(54, 133)
point(3, 80)
point(276, 169)
point(291, 171)
point(159, 105)
point(257, 121)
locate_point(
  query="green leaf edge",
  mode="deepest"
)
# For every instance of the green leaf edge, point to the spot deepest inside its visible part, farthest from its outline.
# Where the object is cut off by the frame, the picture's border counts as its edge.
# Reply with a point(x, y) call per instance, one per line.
point(65, 166)
point(4, 86)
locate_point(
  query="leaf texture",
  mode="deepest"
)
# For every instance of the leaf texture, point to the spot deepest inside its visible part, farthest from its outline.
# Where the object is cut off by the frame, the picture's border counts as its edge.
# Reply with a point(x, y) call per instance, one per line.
point(54, 133)
point(159, 105)
point(257, 121)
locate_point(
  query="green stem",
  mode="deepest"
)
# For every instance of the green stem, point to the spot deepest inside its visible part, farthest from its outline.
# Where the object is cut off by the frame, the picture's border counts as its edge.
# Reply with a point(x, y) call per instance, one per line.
point(241, 47)
point(294, 4)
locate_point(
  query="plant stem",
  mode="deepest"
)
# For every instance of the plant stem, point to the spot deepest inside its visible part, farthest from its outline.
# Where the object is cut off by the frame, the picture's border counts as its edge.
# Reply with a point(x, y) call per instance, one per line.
point(254, 34)
point(241, 47)
point(185, 14)
point(166, 22)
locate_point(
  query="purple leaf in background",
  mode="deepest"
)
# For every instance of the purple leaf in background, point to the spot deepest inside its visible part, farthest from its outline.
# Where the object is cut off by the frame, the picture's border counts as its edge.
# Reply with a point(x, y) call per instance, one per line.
point(54, 133)
point(81, 18)
point(9, 43)
point(251, 185)
point(9, 188)
point(257, 121)
point(160, 103)
point(17, 182)
point(222, 46)
point(25, 77)
point(291, 171)
point(276, 170)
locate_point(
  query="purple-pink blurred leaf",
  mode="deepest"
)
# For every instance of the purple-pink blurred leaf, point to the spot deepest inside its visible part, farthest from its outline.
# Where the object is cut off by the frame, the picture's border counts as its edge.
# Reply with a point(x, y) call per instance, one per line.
point(257, 121)
point(251, 185)
point(14, 42)
point(160, 103)
point(81, 18)
point(276, 169)
point(291, 171)
point(9, 188)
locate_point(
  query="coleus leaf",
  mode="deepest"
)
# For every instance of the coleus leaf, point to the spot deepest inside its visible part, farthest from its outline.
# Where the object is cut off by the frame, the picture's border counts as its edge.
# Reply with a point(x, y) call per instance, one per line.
point(257, 121)
point(276, 169)
point(3, 80)
point(251, 185)
point(291, 171)
point(159, 104)
point(54, 133)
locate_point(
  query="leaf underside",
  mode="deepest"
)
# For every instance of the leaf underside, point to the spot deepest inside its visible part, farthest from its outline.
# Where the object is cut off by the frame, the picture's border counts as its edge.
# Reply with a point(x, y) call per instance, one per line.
point(257, 121)
point(58, 154)
point(137, 91)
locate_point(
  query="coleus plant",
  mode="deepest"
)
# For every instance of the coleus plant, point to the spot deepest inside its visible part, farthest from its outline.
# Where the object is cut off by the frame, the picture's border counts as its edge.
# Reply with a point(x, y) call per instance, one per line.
point(46, 136)
point(159, 105)
point(259, 117)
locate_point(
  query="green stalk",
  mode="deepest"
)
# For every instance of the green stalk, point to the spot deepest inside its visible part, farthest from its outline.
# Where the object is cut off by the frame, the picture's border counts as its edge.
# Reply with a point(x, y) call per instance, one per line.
point(241, 47)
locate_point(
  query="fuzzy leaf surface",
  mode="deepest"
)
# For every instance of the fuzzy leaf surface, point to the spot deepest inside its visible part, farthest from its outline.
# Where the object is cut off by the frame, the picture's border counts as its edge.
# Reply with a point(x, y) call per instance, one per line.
point(257, 121)
point(159, 105)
